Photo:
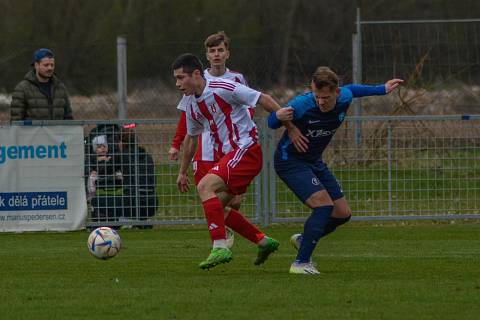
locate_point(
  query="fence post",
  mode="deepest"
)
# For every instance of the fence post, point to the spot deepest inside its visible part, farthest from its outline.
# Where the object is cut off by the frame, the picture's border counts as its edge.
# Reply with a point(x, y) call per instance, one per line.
point(266, 173)
point(122, 77)
point(357, 75)
point(389, 159)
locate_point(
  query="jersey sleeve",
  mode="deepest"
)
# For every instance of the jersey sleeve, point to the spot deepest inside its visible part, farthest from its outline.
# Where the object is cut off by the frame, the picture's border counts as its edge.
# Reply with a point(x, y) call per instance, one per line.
point(183, 103)
point(194, 125)
point(362, 90)
point(299, 104)
point(273, 122)
point(245, 95)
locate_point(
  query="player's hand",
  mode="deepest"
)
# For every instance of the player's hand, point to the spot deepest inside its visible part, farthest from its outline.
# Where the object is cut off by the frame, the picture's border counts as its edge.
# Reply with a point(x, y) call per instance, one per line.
point(298, 139)
point(183, 182)
point(173, 153)
point(285, 114)
point(390, 85)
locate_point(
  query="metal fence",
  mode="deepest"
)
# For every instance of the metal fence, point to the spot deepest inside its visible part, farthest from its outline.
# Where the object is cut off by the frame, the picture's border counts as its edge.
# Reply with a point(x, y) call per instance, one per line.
point(410, 167)
point(406, 167)
point(142, 188)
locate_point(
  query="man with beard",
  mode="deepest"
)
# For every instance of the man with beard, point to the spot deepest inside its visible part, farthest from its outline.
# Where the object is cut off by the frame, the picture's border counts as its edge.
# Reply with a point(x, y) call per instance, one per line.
point(41, 95)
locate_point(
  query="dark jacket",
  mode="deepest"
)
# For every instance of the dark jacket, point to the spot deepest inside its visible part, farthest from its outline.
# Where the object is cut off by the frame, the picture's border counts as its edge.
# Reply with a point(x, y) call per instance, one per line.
point(140, 197)
point(29, 103)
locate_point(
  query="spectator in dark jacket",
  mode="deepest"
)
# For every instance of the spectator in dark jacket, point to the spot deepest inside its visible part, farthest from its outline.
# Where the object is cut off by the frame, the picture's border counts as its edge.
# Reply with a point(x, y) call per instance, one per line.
point(41, 95)
point(138, 167)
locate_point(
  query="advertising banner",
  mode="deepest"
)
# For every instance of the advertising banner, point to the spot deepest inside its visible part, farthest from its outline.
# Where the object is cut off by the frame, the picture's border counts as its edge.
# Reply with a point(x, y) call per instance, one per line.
point(42, 185)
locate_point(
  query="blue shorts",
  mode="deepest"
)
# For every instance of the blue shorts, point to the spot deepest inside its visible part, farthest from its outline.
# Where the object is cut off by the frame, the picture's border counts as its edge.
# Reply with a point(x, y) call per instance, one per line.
point(305, 178)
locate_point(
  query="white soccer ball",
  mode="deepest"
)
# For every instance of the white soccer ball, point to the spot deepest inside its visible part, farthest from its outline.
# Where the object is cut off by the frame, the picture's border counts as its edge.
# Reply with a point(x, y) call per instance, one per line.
point(104, 243)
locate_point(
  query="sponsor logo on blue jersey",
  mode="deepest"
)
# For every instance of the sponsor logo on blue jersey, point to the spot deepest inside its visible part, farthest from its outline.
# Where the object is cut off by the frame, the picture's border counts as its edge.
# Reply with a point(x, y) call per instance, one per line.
point(319, 133)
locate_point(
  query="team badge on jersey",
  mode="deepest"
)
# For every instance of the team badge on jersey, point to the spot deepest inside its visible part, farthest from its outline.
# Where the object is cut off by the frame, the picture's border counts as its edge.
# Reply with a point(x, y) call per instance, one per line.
point(341, 116)
point(315, 181)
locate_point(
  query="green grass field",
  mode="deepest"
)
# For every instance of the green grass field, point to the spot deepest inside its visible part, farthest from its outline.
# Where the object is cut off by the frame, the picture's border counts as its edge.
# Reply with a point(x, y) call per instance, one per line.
point(426, 271)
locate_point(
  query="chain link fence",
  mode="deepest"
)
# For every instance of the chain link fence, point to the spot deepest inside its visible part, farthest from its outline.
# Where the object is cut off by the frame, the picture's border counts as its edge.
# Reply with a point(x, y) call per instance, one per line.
point(410, 167)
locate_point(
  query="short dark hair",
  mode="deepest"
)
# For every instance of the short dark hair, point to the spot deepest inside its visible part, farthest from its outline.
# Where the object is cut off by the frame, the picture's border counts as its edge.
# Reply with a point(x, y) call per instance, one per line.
point(216, 39)
point(325, 77)
point(189, 62)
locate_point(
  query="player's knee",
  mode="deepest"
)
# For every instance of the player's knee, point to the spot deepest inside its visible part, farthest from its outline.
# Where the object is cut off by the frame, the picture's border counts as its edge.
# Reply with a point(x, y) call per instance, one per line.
point(203, 188)
point(235, 203)
point(319, 199)
point(345, 219)
point(342, 213)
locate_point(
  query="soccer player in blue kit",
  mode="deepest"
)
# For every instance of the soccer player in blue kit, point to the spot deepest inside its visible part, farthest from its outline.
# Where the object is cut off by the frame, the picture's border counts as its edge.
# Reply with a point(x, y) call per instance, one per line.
point(298, 158)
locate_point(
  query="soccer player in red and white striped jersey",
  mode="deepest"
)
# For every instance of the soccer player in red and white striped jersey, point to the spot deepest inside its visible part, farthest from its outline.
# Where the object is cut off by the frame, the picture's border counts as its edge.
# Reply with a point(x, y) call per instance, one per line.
point(217, 53)
point(221, 108)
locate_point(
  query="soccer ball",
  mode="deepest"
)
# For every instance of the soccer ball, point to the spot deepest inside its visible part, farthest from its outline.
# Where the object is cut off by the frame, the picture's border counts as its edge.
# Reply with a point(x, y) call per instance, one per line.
point(104, 243)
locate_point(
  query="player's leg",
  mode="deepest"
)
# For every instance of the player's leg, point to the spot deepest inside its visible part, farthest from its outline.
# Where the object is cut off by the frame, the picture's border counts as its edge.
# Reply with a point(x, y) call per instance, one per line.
point(341, 215)
point(207, 188)
point(314, 228)
point(200, 169)
point(300, 177)
point(236, 202)
point(236, 221)
point(341, 211)
point(238, 169)
point(313, 231)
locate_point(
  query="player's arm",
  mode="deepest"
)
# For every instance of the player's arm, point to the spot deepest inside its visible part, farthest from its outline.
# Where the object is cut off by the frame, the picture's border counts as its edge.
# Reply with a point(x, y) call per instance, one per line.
point(180, 134)
point(283, 116)
point(270, 105)
point(274, 121)
point(298, 139)
point(190, 144)
point(362, 90)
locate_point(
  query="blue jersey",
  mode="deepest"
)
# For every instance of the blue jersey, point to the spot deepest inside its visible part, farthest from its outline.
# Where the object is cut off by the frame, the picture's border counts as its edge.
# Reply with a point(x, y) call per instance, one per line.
point(319, 127)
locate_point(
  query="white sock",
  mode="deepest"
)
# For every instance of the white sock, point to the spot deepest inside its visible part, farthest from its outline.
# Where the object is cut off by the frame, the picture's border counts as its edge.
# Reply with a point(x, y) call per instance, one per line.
point(222, 243)
point(262, 242)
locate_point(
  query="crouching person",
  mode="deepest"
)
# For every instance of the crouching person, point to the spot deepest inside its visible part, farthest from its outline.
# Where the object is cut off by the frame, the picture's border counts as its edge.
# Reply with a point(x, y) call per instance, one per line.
point(138, 167)
point(105, 185)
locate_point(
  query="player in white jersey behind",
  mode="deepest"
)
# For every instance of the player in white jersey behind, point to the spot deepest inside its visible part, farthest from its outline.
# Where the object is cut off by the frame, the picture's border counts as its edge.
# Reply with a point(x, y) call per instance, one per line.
point(220, 106)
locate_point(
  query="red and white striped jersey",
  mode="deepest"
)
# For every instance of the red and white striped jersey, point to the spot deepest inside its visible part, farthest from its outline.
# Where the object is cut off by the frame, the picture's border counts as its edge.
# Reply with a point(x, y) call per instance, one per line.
point(205, 147)
point(222, 111)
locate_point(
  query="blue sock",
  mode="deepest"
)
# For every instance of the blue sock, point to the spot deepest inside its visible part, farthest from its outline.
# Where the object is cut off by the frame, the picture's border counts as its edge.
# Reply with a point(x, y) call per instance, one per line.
point(313, 230)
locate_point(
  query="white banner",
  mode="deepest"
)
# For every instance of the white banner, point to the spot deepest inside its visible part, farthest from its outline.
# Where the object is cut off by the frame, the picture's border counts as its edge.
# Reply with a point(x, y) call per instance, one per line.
point(42, 178)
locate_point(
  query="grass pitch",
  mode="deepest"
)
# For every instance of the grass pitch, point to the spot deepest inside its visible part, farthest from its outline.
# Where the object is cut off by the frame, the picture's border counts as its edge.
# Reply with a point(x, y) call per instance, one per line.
point(368, 272)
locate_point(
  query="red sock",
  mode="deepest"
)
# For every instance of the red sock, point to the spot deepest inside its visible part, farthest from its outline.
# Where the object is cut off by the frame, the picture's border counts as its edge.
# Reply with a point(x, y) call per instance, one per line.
point(214, 214)
point(242, 226)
